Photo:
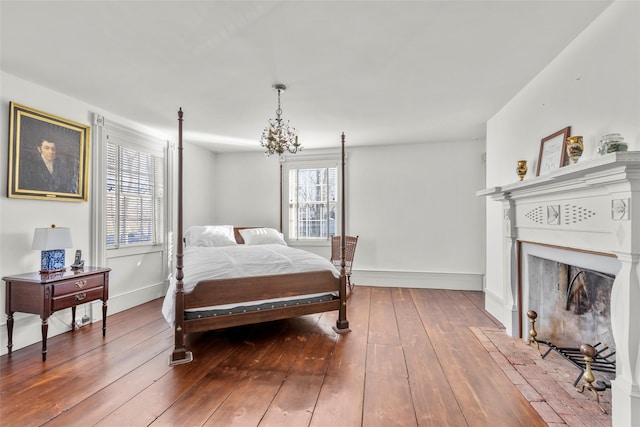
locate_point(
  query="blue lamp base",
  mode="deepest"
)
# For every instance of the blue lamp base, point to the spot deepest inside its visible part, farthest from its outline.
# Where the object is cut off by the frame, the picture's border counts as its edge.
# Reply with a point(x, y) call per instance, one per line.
point(52, 261)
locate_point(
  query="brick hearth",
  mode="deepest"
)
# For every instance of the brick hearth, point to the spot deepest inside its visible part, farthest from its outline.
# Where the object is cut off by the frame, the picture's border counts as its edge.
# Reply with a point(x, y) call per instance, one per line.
point(546, 383)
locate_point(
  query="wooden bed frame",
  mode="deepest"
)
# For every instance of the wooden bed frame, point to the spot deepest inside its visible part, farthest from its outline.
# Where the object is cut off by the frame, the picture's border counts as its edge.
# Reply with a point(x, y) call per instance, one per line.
point(238, 290)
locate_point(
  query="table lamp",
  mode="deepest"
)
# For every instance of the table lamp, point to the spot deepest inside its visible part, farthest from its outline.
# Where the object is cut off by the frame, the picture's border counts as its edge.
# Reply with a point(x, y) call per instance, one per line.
point(52, 241)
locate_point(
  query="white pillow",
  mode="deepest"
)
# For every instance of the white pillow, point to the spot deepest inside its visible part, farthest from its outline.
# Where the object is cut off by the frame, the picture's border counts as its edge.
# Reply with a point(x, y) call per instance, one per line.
point(262, 236)
point(210, 235)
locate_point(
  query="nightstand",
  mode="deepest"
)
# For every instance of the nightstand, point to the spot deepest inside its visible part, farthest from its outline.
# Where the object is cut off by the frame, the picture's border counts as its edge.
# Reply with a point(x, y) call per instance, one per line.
point(45, 294)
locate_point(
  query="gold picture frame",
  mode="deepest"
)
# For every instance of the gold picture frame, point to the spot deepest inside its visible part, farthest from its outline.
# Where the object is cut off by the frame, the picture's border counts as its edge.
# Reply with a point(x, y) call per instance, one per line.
point(552, 151)
point(48, 156)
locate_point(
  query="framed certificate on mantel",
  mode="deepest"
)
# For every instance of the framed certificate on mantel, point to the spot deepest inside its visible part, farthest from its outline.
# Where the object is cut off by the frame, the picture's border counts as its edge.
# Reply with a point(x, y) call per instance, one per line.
point(552, 153)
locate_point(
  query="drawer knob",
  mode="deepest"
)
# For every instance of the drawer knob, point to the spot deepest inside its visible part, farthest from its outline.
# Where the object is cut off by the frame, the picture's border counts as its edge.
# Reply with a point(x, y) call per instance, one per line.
point(80, 283)
point(81, 296)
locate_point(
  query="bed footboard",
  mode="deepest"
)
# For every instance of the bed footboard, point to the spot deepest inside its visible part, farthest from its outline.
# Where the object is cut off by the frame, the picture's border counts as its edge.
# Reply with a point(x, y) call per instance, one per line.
point(255, 288)
point(241, 290)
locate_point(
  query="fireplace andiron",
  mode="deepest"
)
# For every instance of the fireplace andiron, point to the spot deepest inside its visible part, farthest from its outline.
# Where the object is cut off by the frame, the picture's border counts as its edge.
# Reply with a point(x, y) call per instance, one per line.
point(589, 352)
point(532, 315)
point(586, 358)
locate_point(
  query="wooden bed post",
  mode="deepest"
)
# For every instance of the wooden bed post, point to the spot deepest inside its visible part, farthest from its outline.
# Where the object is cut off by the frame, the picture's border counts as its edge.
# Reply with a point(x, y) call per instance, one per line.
point(342, 324)
point(281, 195)
point(180, 353)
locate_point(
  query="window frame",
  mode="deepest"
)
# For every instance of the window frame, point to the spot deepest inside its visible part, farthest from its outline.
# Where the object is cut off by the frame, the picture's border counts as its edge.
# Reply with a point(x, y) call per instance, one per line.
point(328, 159)
point(111, 132)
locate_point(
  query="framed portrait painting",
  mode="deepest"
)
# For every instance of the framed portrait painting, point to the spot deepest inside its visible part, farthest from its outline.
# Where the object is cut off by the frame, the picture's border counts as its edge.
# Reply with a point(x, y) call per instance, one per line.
point(552, 151)
point(48, 156)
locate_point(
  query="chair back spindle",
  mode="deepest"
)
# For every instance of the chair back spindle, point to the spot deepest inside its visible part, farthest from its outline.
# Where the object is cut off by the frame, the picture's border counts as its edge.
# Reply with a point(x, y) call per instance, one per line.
point(350, 243)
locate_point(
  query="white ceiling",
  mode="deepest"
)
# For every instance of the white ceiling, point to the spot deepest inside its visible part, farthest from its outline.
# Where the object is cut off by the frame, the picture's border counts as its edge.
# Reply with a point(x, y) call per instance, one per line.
point(383, 72)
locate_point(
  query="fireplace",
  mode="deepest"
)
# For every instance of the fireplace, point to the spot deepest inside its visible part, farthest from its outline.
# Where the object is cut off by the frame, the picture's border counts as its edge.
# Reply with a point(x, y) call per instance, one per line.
point(586, 216)
point(566, 302)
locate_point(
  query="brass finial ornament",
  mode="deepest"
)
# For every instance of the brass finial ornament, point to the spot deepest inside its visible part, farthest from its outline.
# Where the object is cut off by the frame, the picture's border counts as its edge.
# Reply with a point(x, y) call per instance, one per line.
point(278, 137)
point(532, 315)
point(589, 352)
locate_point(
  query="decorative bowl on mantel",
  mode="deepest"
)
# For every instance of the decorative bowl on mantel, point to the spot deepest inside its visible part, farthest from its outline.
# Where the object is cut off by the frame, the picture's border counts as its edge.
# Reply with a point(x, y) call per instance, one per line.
point(612, 142)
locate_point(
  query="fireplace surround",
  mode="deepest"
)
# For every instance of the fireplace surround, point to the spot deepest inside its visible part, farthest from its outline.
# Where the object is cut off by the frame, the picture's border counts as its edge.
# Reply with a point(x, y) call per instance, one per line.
point(592, 211)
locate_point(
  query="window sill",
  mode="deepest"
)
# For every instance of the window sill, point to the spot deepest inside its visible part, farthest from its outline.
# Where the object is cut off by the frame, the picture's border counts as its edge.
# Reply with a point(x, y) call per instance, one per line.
point(310, 243)
point(133, 250)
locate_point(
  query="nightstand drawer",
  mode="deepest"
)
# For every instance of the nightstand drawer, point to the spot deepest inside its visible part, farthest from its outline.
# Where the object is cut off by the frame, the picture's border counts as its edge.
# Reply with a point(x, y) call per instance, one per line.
point(76, 285)
point(72, 300)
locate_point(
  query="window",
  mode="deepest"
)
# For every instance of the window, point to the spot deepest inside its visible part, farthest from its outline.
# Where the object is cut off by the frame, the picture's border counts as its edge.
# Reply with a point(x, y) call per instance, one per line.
point(134, 197)
point(311, 204)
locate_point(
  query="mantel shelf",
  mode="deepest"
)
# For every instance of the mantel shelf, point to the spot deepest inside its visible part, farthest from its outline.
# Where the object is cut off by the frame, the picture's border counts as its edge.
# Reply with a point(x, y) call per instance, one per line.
point(609, 163)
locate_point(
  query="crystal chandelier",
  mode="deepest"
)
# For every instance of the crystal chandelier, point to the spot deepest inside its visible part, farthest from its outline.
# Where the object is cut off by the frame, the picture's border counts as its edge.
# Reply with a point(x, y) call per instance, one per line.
point(277, 136)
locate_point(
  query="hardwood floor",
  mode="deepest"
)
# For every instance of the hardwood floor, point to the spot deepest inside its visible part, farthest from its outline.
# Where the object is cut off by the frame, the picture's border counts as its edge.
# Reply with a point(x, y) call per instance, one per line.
point(410, 359)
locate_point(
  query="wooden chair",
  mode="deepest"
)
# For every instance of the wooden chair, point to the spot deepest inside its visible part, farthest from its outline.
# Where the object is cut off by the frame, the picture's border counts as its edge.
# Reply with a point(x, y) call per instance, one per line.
point(349, 251)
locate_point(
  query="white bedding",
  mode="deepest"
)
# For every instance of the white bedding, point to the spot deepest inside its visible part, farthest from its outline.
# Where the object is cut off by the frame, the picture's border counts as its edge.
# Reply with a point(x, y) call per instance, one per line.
point(202, 263)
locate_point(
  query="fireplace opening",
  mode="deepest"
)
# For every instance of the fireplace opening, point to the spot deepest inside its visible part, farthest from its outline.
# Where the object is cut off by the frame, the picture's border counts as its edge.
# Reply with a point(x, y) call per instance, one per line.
point(573, 303)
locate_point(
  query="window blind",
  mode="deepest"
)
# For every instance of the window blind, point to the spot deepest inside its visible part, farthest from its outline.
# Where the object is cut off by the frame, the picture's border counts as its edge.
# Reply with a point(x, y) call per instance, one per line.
point(135, 197)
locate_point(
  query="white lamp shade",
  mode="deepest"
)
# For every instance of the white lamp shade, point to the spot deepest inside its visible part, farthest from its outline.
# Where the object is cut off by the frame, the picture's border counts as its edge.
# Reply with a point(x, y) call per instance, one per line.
point(45, 239)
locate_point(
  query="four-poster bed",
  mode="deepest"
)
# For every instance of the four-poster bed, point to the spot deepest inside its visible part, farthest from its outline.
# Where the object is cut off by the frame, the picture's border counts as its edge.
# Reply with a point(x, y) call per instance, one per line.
point(196, 305)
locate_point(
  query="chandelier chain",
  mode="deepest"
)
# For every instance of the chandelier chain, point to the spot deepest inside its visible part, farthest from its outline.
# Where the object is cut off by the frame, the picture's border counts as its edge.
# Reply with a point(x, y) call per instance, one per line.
point(279, 110)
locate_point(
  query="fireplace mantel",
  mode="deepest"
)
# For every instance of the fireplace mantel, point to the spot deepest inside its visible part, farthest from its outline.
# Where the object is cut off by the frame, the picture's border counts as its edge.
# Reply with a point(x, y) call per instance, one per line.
point(611, 169)
point(592, 206)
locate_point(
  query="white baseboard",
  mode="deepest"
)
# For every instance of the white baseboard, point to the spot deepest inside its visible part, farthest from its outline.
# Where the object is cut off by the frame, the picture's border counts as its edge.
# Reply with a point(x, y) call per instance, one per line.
point(493, 301)
point(27, 327)
point(127, 300)
point(503, 312)
point(418, 279)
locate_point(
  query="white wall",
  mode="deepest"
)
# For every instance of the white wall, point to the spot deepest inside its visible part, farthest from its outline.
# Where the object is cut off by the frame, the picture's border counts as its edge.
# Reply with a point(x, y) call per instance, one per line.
point(247, 190)
point(592, 86)
point(413, 206)
point(198, 185)
point(19, 217)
